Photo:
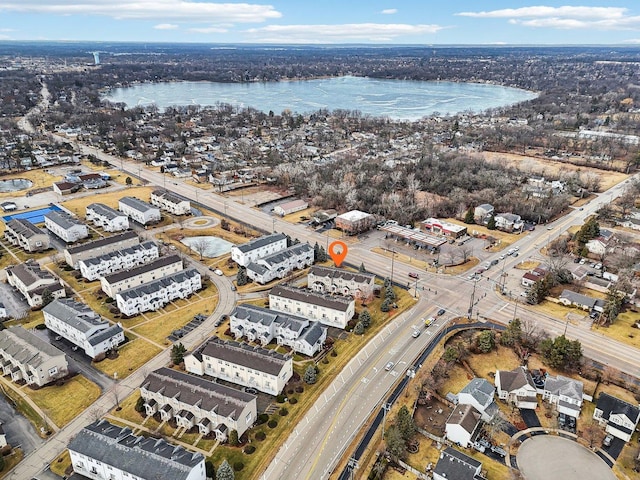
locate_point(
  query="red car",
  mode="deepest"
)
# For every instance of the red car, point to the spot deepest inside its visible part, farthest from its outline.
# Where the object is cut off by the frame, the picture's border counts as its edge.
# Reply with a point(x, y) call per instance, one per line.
point(413, 275)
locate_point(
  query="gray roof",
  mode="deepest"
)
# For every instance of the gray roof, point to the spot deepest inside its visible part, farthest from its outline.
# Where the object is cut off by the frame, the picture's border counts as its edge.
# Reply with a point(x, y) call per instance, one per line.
point(147, 267)
point(191, 390)
point(333, 302)
point(152, 287)
point(261, 242)
point(267, 361)
point(466, 416)
point(105, 334)
point(75, 314)
point(62, 219)
point(515, 379)
point(30, 272)
point(26, 347)
point(341, 274)
point(105, 211)
point(564, 386)
point(137, 204)
point(148, 245)
point(578, 298)
point(481, 390)
point(264, 316)
point(24, 228)
point(281, 256)
point(101, 242)
point(139, 456)
point(456, 465)
point(169, 196)
point(314, 333)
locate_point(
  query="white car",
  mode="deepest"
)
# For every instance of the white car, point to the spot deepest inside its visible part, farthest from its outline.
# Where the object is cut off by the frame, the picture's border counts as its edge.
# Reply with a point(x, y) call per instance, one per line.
point(389, 366)
point(218, 272)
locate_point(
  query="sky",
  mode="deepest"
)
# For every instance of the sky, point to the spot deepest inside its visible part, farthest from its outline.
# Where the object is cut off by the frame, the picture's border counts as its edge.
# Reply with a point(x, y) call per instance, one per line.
point(478, 22)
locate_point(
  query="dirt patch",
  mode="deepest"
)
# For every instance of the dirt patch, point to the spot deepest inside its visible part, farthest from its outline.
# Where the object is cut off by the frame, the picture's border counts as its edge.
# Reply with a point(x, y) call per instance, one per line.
point(432, 416)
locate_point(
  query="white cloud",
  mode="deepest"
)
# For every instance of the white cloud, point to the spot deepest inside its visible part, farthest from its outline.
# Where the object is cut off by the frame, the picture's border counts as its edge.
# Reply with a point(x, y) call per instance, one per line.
point(565, 17)
point(173, 10)
point(389, 11)
point(208, 30)
point(376, 32)
point(165, 26)
point(634, 41)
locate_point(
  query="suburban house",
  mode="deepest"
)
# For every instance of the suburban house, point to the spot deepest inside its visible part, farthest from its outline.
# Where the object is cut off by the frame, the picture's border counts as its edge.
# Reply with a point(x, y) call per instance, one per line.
point(323, 216)
point(291, 206)
point(620, 418)
point(82, 326)
point(125, 259)
point(570, 298)
point(142, 212)
point(330, 310)
point(195, 402)
point(455, 465)
point(482, 212)
point(262, 325)
point(25, 356)
point(65, 188)
point(24, 234)
point(257, 248)
point(103, 451)
point(517, 388)
point(442, 227)
point(32, 282)
point(242, 364)
point(171, 202)
point(157, 294)
point(110, 219)
point(65, 226)
point(565, 393)
point(479, 393)
point(159, 268)
point(94, 248)
point(462, 424)
point(509, 222)
point(528, 279)
point(281, 264)
point(343, 282)
point(355, 222)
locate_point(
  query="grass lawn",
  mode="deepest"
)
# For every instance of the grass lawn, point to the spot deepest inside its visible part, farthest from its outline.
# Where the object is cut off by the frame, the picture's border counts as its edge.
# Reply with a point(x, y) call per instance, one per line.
point(59, 465)
point(623, 329)
point(63, 403)
point(401, 257)
point(11, 460)
point(39, 177)
point(131, 356)
point(296, 217)
point(503, 239)
point(108, 198)
point(463, 267)
point(527, 265)
point(623, 468)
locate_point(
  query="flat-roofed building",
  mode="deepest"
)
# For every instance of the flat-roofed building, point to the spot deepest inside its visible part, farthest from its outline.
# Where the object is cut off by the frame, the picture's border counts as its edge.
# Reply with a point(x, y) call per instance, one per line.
point(101, 246)
point(443, 227)
point(289, 207)
point(355, 221)
point(343, 282)
point(159, 268)
point(281, 264)
point(171, 202)
point(125, 259)
point(242, 364)
point(142, 212)
point(33, 282)
point(24, 234)
point(110, 219)
point(257, 248)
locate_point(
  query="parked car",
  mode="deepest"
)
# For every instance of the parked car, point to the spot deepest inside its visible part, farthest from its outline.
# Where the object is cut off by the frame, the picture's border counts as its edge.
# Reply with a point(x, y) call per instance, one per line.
point(429, 321)
point(479, 447)
point(218, 272)
point(607, 440)
point(498, 451)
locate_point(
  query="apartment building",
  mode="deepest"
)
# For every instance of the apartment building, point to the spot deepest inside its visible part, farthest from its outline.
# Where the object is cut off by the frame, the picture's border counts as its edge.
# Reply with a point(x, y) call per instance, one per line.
point(170, 202)
point(138, 210)
point(65, 226)
point(242, 364)
point(333, 311)
point(193, 401)
point(281, 264)
point(109, 219)
point(33, 282)
point(126, 279)
point(156, 294)
point(101, 246)
point(127, 258)
point(82, 326)
point(340, 281)
point(24, 234)
point(257, 248)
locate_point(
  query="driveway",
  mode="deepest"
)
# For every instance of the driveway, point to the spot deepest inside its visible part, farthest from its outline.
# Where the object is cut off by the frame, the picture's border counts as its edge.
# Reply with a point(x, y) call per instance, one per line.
point(530, 418)
point(14, 303)
point(615, 448)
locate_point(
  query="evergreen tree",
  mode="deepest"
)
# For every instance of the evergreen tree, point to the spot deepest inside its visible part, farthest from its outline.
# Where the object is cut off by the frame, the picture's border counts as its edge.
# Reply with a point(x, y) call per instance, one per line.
point(389, 294)
point(128, 181)
point(322, 255)
point(561, 352)
point(241, 277)
point(310, 375)
point(358, 329)
point(613, 304)
point(365, 318)
point(209, 469)
point(512, 335)
point(225, 472)
point(386, 305)
point(362, 269)
point(316, 252)
point(395, 443)
point(486, 341)
point(405, 423)
point(177, 353)
point(491, 223)
point(233, 438)
point(387, 282)
point(47, 297)
point(469, 216)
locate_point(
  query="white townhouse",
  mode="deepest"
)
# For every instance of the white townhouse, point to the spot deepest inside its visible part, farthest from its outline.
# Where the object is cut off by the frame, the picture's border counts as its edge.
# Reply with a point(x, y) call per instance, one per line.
point(110, 219)
point(565, 393)
point(103, 451)
point(138, 210)
point(620, 418)
point(146, 273)
point(24, 234)
point(257, 248)
point(509, 222)
point(25, 356)
point(281, 264)
point(195, 402)
point(242, 364)
point(157, 294)
point(101, 246)
point(262, 325)
point(343, 282)
point(462, 424)
point(32, 282)
point(170, 202)
point(82, 326)
point(65, 226)
point(127, 258)
point(479, 393)
point(517, 388)
point(333, 311)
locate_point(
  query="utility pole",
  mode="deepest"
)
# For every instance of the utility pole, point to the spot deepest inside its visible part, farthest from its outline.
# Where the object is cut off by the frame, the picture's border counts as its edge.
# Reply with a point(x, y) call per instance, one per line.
point(353, 466)
point(393, 254)
point(473, 295)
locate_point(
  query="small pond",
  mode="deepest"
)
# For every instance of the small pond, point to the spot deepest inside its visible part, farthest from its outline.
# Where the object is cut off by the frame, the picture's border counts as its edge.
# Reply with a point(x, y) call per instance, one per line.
point(211, 246)
point(14, 184)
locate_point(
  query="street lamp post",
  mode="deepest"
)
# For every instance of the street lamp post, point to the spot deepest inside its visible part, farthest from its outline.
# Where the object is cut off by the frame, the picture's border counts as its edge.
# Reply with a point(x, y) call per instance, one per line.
point(393, 254)
point(473, 294)
point(385, 408)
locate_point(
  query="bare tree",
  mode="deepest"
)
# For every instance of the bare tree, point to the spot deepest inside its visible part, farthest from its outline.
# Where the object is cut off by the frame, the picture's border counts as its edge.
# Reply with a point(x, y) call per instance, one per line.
point(593, 433)
point(465, 252)
point(200, 246)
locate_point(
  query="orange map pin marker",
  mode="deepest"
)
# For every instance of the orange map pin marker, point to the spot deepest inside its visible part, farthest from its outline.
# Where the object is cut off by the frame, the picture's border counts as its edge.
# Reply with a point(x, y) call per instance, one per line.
point(339, 256)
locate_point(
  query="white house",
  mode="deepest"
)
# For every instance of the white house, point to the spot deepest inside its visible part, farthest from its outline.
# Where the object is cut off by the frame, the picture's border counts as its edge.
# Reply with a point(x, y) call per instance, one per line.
point(509, 222)
point(281, 264)
point(257, 248)
point(125, 259)
point(570, 298)
point(462, 424)
point(195, 402)
point(101, 246)
point(157, 294)
point(138, 210)
point(159, 268)
point(32, 282)
point(24, 234)
point(64, 226)
point(82, 326)
point(262, 325)
point(482, 212)
point(110, 219)
point(171, 202)
point(103, 451)
point(242, 364)
point(333, 311)
point(337, 280)
point(25, 356)
point(455, 465)
point(479, 393)
point(620, 418)
point(517, 388)
point(565, 393)
point(289, 207)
